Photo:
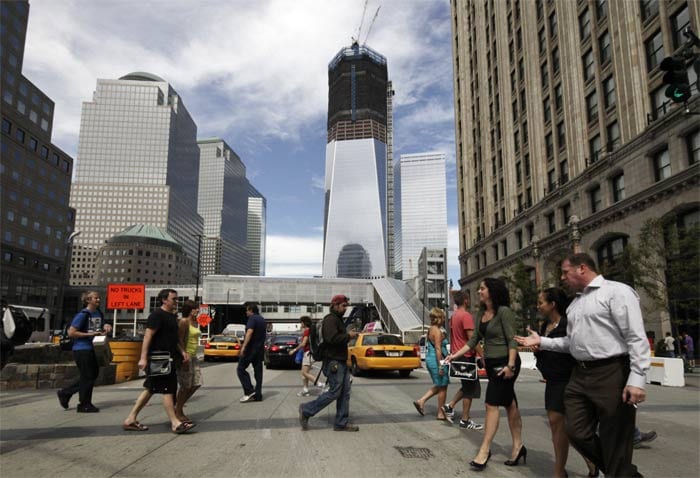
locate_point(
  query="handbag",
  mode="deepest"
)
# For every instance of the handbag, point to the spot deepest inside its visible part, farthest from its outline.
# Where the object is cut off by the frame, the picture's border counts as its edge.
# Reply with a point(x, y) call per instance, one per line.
point(464, 370)
point(299, 356)
point(159, 363)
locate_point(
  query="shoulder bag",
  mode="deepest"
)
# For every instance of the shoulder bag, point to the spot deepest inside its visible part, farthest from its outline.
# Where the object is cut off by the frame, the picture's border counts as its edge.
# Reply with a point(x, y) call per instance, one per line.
point(159, 363)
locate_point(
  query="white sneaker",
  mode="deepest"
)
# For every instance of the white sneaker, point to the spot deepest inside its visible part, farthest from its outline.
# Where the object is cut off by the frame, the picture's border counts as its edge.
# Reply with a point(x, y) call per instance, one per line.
point(247, 398)
point(303, 393)
point(470, 425)
point(321, 384)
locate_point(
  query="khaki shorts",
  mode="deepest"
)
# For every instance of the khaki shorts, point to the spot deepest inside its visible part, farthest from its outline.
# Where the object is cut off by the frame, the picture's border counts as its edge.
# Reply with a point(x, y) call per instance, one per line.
point(308, 360)
point(189, 375)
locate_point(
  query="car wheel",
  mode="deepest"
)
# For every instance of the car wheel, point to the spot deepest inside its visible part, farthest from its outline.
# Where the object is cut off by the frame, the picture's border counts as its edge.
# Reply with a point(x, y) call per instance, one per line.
point(405, 373)
point(354, 369)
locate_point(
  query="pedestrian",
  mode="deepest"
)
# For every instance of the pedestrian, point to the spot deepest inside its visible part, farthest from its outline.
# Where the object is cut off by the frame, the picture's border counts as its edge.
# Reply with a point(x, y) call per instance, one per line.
point(307, 360)
point(189, 375)
point(162, 336)
point(107, 330)
point(641, 437)
point(334, 350)
point(670, 345)
point(462, 329)
point(689, 348)
point(605, 335)
point(495, 326)
point(556, 368)
point(82, 330)
point(252, 353)
point(435, 352)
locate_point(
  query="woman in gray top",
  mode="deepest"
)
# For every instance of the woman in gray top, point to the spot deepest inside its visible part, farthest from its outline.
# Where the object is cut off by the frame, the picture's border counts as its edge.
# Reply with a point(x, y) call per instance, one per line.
point(495, 326)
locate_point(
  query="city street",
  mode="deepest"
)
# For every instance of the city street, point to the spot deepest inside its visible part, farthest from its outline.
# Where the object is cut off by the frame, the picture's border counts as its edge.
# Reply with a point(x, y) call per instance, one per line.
point(40, 439)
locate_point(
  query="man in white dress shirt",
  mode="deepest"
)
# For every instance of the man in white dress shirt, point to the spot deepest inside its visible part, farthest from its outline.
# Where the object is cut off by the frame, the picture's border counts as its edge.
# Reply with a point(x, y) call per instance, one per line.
point(605, 334)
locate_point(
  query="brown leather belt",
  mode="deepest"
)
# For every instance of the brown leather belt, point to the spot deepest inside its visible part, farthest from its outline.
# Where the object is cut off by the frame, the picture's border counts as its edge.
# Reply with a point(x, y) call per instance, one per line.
point(606, 361)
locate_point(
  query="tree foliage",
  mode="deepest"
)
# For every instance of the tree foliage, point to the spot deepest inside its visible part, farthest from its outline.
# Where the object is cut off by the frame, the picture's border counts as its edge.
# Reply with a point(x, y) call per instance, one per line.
point(523, 294)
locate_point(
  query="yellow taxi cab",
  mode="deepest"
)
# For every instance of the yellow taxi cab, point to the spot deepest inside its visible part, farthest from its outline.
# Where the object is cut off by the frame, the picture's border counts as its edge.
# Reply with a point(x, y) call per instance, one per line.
point(378, 351)
point(222, 346)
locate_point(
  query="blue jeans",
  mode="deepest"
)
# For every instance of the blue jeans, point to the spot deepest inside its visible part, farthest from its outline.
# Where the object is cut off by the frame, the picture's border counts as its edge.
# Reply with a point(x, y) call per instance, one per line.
point(255, 358)
point(339, 390)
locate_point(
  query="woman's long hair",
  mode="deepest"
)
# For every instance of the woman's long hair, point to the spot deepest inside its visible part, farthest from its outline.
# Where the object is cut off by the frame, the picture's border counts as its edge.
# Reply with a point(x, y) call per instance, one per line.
point(500, 297)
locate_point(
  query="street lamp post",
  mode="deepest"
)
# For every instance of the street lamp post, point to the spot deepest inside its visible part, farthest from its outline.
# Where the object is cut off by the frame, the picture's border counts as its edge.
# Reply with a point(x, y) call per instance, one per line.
point(425, 299)
point(199, 260)
point(66, 268)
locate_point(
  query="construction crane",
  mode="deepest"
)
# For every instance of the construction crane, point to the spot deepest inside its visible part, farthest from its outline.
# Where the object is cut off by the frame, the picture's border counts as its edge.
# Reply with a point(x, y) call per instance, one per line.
point(362, 21)
point(371, 24)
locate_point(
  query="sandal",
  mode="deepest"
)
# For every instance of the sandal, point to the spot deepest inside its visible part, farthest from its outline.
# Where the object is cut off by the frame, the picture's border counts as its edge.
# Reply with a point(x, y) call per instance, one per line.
point(419, 408)
point(134, 427)
point(183, 427)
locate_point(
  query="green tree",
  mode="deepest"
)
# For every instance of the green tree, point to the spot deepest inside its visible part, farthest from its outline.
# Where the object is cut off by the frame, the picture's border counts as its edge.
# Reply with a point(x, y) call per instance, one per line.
point(523, 295)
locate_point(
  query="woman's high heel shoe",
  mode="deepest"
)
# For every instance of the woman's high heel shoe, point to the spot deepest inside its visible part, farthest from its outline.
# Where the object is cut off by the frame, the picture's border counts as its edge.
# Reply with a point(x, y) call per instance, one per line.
point(521, 454)
point(480, 466)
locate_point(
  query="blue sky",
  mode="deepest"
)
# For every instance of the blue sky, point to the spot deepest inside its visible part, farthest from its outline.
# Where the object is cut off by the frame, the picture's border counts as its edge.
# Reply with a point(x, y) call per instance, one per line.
point(255, 74)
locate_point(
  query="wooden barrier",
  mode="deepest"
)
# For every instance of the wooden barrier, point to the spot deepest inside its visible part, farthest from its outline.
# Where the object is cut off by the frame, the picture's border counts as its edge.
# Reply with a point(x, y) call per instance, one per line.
point(126, 355)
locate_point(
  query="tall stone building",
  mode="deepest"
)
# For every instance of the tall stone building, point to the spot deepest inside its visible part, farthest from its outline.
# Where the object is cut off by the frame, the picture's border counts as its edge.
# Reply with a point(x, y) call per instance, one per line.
point(358, 221)
point(35, 175)
point(138, 163)
point(565, 139)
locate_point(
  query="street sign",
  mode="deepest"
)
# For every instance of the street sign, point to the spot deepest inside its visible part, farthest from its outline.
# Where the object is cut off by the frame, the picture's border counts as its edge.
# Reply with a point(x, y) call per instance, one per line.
point(126, 296)
point(203, 319)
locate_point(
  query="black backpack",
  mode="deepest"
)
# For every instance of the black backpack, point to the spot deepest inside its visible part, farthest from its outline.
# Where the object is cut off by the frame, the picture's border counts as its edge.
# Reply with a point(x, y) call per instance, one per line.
point(316, 345)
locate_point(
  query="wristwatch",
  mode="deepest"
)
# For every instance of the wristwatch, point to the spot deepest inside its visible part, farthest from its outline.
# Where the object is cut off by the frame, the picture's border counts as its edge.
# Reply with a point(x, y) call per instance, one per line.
point(511, 367)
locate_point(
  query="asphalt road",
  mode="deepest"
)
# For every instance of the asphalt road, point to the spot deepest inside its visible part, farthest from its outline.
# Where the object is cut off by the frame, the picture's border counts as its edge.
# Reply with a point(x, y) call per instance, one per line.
point(263, 439)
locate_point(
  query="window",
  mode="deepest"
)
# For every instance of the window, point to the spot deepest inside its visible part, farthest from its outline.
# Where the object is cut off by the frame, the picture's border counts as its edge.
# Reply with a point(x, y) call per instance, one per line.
point(44, 152)
point(551, 222)
point(553, 24)
point(563, 171)
point(33, 144)
point(595, 196)
point(19, 135)
point(6, 126)
point(610, 254)
point(662, 165)
point(693, 142)
point(561, 135)
point(584, 25)
point(566, 212)
point(601, 9)
point(604, 48)
point(609, 92)
point(659, 102)
point(588, 66)
point(547, 110)
point(679, 22)
point(618, 187)
point(558, 97)
point(654, 48)
point(649, 8)
point(613, 136)
point(519, 239)
point(7, 96)
point(551, 180)
point(545, 75)
point(594, 146)
point(555, 61)
point(549, 145)
point(519, 172)
point(542, 37)
point(592, 106)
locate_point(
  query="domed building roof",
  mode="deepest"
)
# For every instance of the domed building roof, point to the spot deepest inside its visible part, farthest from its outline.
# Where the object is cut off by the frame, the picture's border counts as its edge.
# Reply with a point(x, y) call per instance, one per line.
point(141, 76)
point(145, 233)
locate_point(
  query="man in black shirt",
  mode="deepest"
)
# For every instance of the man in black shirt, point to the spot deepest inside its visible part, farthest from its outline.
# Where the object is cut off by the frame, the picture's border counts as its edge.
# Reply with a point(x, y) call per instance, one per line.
point(335, 357)
point(161, 335)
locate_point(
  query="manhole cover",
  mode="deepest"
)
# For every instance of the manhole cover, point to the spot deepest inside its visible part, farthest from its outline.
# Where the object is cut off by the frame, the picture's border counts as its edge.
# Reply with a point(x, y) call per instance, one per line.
point(413, 452)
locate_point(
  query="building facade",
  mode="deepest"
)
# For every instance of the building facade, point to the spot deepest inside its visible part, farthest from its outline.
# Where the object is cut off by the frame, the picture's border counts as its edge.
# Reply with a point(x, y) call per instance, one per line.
point(35, 175)
point(138, 163)
point(142, 254)
point(422, 213)
point(257, 231)
point(565, 139)
point(223, 205)
point(358, 183)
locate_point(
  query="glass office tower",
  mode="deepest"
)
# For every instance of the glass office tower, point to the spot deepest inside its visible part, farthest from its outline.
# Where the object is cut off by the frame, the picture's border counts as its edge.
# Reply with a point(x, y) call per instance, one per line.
point(257, 220)
point(138, 163)
point(423, 213)
point(356, 223)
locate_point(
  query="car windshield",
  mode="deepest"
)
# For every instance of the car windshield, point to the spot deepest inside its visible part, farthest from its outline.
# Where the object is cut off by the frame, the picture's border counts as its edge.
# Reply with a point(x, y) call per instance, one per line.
point(381, 340)
point(224, 338)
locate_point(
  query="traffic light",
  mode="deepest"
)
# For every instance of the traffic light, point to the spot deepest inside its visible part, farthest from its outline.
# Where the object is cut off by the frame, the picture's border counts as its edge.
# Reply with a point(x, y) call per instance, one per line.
point(676, 78)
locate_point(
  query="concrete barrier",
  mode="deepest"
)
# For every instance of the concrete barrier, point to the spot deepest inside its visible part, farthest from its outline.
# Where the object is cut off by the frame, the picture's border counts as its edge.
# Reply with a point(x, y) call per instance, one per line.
point(528, 360)
point(666, 371)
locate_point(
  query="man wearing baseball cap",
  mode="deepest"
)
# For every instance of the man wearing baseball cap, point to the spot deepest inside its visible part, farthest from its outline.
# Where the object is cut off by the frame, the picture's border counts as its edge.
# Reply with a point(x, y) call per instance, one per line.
point(335, 368)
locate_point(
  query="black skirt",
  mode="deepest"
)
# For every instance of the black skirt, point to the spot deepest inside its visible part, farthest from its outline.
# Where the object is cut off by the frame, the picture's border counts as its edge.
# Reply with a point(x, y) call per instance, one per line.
point(500, 392)
point(554, 396)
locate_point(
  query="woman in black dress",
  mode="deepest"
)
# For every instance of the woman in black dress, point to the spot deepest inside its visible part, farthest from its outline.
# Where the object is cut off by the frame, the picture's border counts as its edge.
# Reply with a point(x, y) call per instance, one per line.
point(556, 369)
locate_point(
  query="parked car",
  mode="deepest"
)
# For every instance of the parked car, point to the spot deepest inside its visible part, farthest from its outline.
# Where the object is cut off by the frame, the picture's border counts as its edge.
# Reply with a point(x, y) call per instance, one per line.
point(277, 349)
point(377, 351)
point(222, 346)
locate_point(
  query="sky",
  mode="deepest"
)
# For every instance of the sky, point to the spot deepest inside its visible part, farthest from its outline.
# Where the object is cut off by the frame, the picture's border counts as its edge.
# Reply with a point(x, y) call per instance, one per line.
point(255, 73)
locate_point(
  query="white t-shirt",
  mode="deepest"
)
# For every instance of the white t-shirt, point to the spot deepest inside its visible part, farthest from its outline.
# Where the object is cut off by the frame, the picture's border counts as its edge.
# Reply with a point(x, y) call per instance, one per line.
point(669, 343)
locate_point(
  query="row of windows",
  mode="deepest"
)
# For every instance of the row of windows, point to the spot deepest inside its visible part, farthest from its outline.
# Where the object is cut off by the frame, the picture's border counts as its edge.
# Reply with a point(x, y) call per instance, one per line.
point(33, 144)
point(27, 203)
point(17, 259)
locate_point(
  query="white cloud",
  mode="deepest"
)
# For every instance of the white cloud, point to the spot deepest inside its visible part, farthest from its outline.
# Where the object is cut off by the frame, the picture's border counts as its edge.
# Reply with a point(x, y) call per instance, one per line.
point(293, 256)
